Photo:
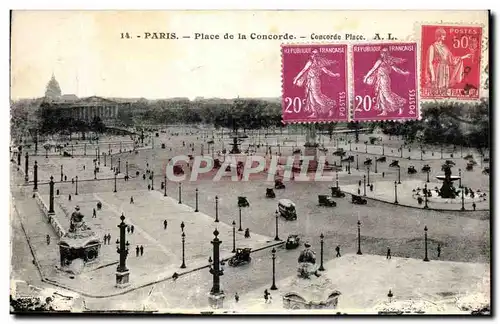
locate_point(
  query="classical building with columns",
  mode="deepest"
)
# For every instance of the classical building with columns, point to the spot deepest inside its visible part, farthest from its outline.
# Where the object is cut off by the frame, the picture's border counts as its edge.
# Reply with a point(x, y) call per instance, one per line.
point(81, 108)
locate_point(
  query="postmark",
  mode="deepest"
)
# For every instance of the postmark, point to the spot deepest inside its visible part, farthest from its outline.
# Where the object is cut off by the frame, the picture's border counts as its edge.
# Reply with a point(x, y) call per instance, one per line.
point(450, 66)
point(314, 83)
point(385, 81)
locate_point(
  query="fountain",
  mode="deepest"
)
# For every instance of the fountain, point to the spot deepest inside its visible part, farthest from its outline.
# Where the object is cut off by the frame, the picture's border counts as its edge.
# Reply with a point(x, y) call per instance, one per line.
point(447, 190)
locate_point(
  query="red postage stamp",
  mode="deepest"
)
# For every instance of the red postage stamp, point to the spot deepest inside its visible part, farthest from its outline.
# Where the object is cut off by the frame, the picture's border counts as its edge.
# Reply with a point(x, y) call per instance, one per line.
point(451, 62)
point(314, 83)
point(385, 81)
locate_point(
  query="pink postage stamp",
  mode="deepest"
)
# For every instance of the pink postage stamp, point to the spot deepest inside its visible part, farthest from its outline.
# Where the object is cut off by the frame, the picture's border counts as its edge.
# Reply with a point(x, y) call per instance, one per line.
point(314, 83)
point(451, 62)
point(385, 81)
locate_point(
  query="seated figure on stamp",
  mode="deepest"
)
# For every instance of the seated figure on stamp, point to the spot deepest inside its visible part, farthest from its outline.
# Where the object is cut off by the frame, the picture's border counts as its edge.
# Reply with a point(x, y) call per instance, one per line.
point(307, 263)
point(76, 222)
point(316, 103)
point(444, 70)
point(379, 77)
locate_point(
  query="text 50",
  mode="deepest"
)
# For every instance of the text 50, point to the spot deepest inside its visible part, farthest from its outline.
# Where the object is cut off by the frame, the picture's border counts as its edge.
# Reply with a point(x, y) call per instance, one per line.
point(294, 105)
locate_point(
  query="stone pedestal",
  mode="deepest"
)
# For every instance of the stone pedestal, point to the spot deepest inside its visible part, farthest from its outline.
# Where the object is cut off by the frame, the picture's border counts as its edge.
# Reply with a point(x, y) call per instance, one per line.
point(216, 300)
point(122, 279)
point(312, 151)
point(313, 293)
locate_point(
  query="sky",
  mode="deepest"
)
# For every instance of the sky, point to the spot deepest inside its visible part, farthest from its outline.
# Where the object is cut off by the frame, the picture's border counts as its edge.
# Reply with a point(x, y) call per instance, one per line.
point(85, 52)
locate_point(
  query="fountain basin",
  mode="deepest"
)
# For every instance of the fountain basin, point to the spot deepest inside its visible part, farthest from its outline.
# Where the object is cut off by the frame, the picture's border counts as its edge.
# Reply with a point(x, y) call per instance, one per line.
point(441, 177)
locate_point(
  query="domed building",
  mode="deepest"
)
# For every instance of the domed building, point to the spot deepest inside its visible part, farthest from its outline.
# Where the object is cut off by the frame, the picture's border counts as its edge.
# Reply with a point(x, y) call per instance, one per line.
point(53, 90)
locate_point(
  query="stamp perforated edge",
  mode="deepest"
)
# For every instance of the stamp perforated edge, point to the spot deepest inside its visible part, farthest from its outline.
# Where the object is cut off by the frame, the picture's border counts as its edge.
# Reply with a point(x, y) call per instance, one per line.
point(484, 63)
point(417, 79)
point(348, 93)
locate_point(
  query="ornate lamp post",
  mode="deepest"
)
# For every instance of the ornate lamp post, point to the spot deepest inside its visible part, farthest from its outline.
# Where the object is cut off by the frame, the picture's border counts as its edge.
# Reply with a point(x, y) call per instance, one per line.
point(216, 297)
point(337, 178)
point(119, 165)
point(276, 238)
point(234, 236)
point(182, 227)
point(115, 183)
point(122, 247)
point(126, 168)
point(217, 210)
point(104, 155)
point(396, 192)
point(26, 166)
point(240, 229)
point(152, 180)
point(426, 259)
point(35, 177)
point(368, 173)
point(359, 238)
point(364, 184)
point(376, 171)
point(180, 193)
point(165, 186)
point(428, 171)
point(357, 162)
point(390, 295)
point(273, 286)
point(399, 174)
point(51, 195)
point(348, 166)
point(383, 152)
point(460, 178)
point(426, 206)
point(321, 242)
point(196, 200)
point(463, 207)
point(183, 235)
point(76, 186)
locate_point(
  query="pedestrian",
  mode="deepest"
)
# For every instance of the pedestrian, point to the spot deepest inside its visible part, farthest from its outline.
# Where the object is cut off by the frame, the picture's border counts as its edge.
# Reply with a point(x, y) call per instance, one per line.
point(359, 183)
point(388, 253)
point(48, 239)
point(132, 229)
point(143, 176)
point(474, 206)
point(105, 239)
point(359, 191)
point(137, 251)
point(247, 233)
point(236, 297)
point(383, 174)
point(142, 250)
point(371, 187)
point(337, 249)
point(165, 224)
point(131, 199)
point(439, 250)
point(149, 187)
point(72, 180)
point(128, 229)
point(69, 197)
point(84, 167)
point(266, 296)
point(94, 214)
point(109, 238)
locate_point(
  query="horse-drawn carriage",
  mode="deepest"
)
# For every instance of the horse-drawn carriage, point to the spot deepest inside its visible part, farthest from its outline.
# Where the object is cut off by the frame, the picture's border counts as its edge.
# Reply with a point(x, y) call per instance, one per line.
point(394, 164)
point(278, 184)
point(324, 200)
point(243, 202)
point(270, 193)
point(411, 169)
point(286, 208)
point(381, 159)
point(242, 256)
point(337, 193)
point(368, 162)
point(292, 242)
point(426, 168)
point(358, 200)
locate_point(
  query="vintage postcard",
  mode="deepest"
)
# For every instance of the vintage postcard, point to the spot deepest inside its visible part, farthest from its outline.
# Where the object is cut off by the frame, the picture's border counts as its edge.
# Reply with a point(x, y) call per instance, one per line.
point(245, 163)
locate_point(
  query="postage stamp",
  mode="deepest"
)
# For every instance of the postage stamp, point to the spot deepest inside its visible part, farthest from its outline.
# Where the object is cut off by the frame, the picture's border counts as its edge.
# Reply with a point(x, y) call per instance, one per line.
point(450, 62)
point(385, 81)
point(314, 81)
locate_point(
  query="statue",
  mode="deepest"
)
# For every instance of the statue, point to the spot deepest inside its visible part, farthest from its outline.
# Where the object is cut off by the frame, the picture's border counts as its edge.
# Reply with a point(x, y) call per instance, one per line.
point(235, 149)
point(307, 263)
point(76, 222)
point(447, 190)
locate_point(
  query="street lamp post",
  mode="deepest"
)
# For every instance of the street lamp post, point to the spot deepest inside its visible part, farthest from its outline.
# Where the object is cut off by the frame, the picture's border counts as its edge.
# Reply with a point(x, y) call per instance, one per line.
point(76, 186)
point(126, 169)
point(216, 297)
point(321, 242)
point(183, 265)
point(460, 178)
point(119, 165)
point(357, 162)
point(395, 192)
point(364, 184)
point(111, 162)
point(152, 180)
point(104, 154)
point(240, 229)
point(180, 193)
point(165, 185)
point(368, 172)
point(359, 238)
point(51, 195)
point(463, 207)
point(276, 238)
point(399, 174)
point(337, 178)
point(366, 147)
point(441, 152)
point(26, 167)
point(273, 286)
point(428, 171)
point(426, 259)
point(376, 171)
point(217, 209)
point(234, 236)
point(115, 183)
point(196, 200)
point(426, 206)
point(122, 273)
point(35, 177)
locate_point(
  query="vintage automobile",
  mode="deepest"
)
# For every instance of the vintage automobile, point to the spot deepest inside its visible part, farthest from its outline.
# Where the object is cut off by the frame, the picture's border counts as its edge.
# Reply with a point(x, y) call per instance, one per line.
point(358, 200)
point(411, 170)
point(486, 170)
point(426, 168)
point(470, 166)
point(394, 163)
point(292, 242)
point(243, 202)
point(339, 152)
point(278, 184)
point(449, 162)
point(217, 164)
point(163, 145)
point(368, 162)
point(336, 192)
point(381, 159)
point(270, 193)
point(286, 208)
point(324, 200)
point(468, 157)
point(178, 170)
point(323, 149)
point(350, 158)
point(242, 256)
point(297, 151)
